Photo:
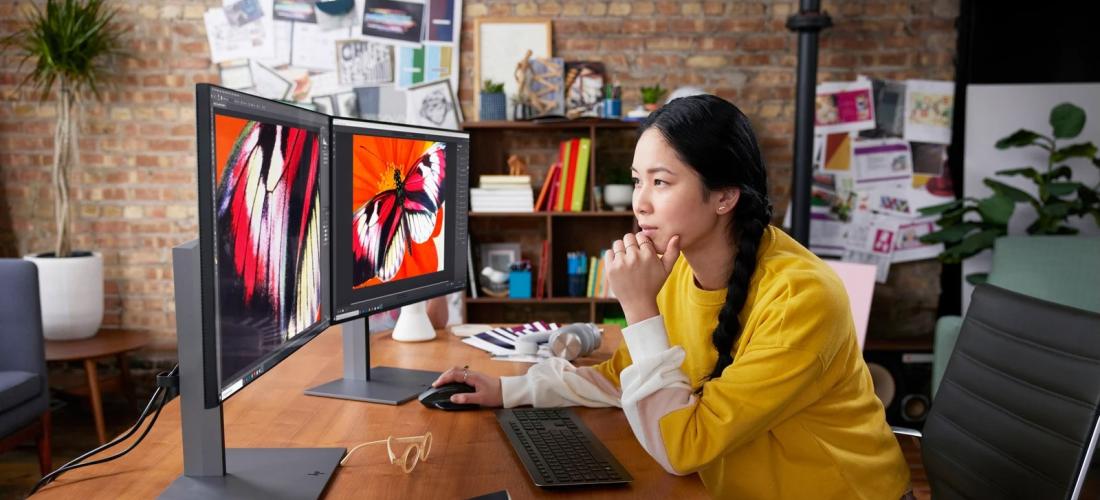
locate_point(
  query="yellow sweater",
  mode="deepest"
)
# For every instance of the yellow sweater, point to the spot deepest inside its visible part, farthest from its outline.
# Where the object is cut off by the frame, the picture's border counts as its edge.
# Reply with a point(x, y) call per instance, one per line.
point(795, 415)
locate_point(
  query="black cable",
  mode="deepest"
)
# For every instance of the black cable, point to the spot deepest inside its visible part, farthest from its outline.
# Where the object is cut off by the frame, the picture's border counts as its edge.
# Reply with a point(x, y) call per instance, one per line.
point(162, 392)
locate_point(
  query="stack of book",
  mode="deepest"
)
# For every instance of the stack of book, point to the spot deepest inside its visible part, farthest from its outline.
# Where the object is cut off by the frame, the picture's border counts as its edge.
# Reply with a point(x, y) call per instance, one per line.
point(564, 187)
point(502, 193)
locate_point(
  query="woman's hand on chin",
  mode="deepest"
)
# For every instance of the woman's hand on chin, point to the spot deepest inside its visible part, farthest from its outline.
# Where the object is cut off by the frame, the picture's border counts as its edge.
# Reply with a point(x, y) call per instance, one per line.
point(636, 270)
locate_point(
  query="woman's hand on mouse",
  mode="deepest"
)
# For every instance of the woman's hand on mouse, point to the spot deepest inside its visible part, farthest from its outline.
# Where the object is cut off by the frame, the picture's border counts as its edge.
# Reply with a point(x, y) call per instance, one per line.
point(486, 387)
point(636, 273)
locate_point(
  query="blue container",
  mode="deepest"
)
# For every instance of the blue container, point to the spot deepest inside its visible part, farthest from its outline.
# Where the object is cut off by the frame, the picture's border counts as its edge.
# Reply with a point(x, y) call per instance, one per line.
point(578, 284)
point(612, 108)
point(519, 284)
point(492, 107)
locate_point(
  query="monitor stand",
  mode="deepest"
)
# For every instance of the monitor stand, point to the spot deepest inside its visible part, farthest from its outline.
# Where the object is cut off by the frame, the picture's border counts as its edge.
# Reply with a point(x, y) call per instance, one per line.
point(209, 469)
point(381, 384)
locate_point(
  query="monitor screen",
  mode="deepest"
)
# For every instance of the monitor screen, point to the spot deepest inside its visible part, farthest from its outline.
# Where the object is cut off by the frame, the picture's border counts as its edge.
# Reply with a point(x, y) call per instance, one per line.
point(263, 231)
point(399, 215)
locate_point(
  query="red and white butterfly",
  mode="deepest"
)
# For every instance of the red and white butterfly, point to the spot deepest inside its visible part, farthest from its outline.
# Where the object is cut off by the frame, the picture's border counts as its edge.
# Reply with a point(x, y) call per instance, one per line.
point(384, 226)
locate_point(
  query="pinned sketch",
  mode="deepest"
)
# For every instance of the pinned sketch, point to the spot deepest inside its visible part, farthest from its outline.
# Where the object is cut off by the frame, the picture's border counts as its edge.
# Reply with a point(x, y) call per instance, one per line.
point(227, 42)
point(242, 12)
point(442, 26)
point(844, 107)
point(382, 103)
point(928, 111)
point(313, 48)
point(360, 62)
point(432, 104)
point(881, 162)
point(393, 21)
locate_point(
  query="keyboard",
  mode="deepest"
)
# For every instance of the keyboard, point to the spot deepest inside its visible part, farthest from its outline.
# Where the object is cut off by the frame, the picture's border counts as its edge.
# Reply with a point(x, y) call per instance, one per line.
point(557, 449)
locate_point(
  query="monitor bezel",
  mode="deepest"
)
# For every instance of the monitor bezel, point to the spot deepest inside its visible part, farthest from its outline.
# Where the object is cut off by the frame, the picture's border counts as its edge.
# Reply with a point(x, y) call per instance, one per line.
point(214, 391)
point(348, 306)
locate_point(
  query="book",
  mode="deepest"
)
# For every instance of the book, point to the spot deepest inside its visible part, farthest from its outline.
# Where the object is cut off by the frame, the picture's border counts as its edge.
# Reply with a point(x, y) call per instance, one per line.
point(591, 289)
point(582, 175)
point(554, 169)
point(570, 178)
point(563, 158)
point(544, 259)
point(493, 181)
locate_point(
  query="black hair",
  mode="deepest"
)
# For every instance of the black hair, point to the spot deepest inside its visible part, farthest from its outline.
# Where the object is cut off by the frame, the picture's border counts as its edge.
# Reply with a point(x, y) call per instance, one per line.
point(715, 138)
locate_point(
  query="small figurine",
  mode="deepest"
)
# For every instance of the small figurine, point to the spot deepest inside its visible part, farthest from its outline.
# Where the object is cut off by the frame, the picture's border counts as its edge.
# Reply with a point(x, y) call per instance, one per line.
point(516, 166)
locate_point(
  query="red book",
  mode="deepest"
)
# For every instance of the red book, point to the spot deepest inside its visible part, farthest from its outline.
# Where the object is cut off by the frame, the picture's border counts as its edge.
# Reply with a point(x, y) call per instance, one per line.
point(543, 260)
point(550, 174)
point(555, 189)
point(570, 174)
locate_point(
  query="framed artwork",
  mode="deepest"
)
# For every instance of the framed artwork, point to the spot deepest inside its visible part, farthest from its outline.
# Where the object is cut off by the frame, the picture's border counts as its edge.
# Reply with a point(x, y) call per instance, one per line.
point(500, 45)
point(499, 256)
point(433, 105)
point(584, 82)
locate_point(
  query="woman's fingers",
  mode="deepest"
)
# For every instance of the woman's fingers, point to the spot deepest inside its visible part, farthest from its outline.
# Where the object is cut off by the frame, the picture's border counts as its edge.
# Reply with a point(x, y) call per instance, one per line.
point(646, 247)
point(453, 375)
point(630, 244)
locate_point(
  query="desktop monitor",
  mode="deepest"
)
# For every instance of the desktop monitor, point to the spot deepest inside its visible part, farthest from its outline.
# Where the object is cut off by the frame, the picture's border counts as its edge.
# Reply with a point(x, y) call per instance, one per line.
point(399, 215)
point(263, 234)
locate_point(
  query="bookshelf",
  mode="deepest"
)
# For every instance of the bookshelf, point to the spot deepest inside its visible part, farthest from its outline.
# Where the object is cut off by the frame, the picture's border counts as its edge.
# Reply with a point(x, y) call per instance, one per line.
point(590, 230)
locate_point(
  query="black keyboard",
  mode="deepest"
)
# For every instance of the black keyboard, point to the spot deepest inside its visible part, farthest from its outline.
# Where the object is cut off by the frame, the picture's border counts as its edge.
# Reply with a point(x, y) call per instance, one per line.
point(558, 450)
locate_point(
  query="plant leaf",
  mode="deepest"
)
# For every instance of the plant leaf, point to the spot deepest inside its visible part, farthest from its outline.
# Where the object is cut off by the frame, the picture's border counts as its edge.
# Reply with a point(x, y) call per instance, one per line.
point(976, 243)
point(996, 209)
point(1028, 172)
point(1083, 150)
point(1019, 138)
point(951, 234)
point(1062, 188)
point(943, 207)
point(1004, 189)
point(1055, 210)
point(977, 278)
point(1067, 120)
point(1062, 171)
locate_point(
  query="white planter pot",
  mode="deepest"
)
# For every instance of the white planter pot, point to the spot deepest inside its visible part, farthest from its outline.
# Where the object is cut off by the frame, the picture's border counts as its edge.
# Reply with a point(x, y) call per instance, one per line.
point(71, 292)
point(618, 196)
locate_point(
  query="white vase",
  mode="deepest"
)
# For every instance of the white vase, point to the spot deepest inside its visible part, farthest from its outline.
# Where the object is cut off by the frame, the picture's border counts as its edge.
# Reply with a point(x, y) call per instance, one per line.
point(71, 294)
point(413, 324)
point(618, 196)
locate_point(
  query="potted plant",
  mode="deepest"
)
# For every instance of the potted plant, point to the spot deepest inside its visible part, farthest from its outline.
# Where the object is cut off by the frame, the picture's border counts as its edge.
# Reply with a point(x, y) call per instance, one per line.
point(618, 190)
point(651, 97)
point(492, 101)
point(68, 43)
point(1058, 198)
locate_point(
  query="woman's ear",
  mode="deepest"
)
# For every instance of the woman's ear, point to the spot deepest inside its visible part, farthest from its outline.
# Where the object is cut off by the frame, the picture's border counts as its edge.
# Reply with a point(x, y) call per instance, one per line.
point(727, 199)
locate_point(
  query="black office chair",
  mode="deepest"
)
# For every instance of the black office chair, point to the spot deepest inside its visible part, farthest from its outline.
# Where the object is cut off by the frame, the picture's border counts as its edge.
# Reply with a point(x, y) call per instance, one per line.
point(1017, 414)
point(24, 394)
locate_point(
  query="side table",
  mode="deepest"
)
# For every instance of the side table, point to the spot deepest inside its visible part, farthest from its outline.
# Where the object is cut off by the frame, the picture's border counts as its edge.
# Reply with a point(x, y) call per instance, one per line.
point(106, 343)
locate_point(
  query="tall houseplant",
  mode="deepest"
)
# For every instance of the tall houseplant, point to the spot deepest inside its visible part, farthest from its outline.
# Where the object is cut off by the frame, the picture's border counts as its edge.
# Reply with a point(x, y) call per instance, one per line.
point(69, 43)
point(970, 226)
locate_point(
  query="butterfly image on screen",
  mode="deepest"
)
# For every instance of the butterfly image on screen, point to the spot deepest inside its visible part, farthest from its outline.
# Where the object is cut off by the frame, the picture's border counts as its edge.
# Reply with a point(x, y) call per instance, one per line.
point(398, 208)
point(268, 225)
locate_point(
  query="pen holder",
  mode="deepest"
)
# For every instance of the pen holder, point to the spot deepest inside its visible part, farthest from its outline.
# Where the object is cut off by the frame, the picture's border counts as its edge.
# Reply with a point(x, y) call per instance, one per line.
point(612, 108)
point(577, 284)
point(519, 285)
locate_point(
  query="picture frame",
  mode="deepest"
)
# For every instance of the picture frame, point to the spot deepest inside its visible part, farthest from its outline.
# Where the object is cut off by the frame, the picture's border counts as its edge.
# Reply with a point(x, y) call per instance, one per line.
point(500, 256)
point(500, 43)
point(433, 105)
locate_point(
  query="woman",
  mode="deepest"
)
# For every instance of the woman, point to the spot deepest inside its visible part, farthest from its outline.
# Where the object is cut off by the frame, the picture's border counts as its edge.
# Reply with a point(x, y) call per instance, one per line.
point(740, 361)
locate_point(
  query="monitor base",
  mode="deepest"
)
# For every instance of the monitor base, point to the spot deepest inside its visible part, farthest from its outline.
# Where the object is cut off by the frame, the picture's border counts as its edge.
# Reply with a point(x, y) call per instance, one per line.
point(387, 385)
point(263, 473)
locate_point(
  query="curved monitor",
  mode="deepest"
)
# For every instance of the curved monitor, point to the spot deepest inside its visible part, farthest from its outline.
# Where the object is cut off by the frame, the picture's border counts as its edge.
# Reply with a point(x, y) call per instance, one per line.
point(263, 231)
point(399, 198)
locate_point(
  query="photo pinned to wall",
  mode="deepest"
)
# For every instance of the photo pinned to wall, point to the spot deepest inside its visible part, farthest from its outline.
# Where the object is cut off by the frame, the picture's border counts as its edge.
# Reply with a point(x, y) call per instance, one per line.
point(254, 40)
point(928, 111)
point(442, 24)
point(500, 44)
point(870, 240)
point(545, 81)
point(345, 104)
point(928, 159)
point(363, 62)
point(335, 14)
point(324, 104)
point(242, 12)
point(882, 162)
point(433, 104)
point(393, 21)
point(383, 103)
point(295, 10)
point(890, 107)
point(838, 153)
point(583, 88)
point(844, 107)
point(268, 83)
point(428, 63)
point(236, 74)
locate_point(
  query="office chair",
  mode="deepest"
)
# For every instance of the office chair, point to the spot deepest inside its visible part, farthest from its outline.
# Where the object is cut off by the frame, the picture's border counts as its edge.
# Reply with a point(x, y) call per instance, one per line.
point(1062, 269)
point(1017, 412)
point(24, 393)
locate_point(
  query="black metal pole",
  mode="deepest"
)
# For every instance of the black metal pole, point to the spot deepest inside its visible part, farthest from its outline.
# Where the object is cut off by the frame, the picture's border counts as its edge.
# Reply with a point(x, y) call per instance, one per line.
point(808, 22)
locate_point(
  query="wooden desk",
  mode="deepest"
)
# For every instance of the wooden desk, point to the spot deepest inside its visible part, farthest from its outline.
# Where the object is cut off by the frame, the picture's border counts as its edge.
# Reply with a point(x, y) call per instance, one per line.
point(105, 344)
point(470, 455)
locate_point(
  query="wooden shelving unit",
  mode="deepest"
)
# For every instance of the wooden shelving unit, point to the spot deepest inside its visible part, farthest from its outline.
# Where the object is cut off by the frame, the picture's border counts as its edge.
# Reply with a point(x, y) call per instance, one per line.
point(589, 231)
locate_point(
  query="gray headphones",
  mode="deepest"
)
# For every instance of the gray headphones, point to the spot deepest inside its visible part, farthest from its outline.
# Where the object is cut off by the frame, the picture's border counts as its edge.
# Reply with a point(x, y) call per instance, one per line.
point(568, 342)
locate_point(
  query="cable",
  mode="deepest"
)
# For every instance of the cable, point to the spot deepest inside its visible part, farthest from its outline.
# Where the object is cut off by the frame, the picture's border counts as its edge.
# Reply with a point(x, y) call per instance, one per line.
point(164, 381)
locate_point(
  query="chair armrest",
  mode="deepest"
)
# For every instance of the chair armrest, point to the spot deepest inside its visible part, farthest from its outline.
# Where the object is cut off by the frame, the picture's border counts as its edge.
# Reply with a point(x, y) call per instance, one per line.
point(905, 431)
point(947, 333)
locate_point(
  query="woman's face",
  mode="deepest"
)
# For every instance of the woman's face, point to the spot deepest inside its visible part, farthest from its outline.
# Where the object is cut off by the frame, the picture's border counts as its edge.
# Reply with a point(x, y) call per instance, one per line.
point(668, 195)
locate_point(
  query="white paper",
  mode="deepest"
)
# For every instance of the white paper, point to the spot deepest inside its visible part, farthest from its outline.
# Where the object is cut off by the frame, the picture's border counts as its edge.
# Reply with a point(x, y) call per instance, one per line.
point(227, 42)
point(908, 246)
point(844, 107)
point(433, 105)
point(236, 76)
point(929, 106)
point(882, 162)
point(322, 84)
point(268, 83)
point(282, 31)
point(870, 240)
point(363, 62)
point(314, 48)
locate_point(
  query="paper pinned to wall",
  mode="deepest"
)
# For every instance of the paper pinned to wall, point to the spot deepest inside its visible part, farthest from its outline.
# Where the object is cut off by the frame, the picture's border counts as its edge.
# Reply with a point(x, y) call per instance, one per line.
point(844, 107)
point(253, 40)
point(870, 240)
point(929, 106)
point(268, 83)
point(314, 48)
point(880, 162)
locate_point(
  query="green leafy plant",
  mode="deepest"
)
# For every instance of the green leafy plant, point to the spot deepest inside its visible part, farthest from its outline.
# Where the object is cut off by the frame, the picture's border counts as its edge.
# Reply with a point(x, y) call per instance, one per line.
point(1059, 196)
point(653, 95)
point(70, 43)
point(491, 87)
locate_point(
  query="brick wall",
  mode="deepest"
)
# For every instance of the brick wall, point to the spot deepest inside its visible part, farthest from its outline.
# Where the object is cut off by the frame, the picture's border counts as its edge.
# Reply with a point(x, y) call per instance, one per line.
point(133, 190)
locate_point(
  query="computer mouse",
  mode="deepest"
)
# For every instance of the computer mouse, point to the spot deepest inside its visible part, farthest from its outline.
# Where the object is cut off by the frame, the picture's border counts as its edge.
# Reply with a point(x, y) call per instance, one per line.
point(440, 397)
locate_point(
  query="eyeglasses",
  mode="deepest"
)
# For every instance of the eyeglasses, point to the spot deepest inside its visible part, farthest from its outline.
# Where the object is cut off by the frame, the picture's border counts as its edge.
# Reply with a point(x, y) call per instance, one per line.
point(417, 450)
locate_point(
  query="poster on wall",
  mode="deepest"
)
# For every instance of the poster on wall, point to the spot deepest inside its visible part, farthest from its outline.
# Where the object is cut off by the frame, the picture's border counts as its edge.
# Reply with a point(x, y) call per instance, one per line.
point(928, 111)
point(393, 21)
point(432, 104)
point(844, 107)
point(363, 62)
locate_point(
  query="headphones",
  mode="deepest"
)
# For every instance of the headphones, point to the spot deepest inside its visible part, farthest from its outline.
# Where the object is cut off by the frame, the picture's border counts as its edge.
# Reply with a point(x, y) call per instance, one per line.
point(568, 342)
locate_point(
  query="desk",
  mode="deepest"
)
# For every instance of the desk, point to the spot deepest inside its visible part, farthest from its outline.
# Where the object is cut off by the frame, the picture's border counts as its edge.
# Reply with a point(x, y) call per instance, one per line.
point(105, 344)
point(470, 455)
